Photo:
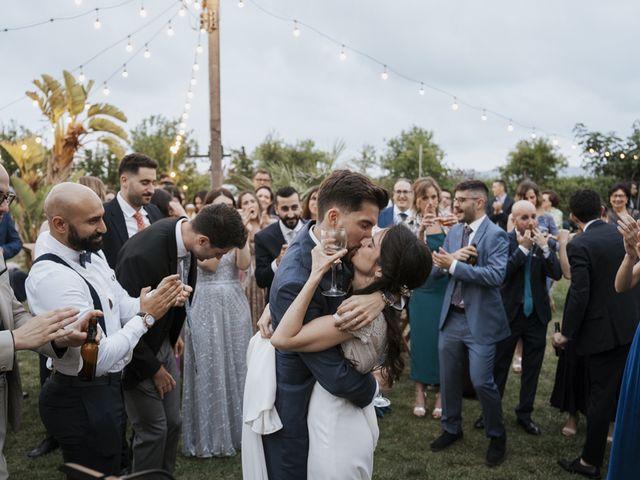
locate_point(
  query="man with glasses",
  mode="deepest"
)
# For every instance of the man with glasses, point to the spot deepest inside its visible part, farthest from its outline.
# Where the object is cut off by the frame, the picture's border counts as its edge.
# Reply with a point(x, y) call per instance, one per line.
point(473, 318)
point(400, 211)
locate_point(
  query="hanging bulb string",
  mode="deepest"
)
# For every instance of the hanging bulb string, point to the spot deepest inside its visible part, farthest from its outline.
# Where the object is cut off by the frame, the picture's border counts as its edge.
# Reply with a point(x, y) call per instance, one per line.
point(60, 19)
point(396, 73)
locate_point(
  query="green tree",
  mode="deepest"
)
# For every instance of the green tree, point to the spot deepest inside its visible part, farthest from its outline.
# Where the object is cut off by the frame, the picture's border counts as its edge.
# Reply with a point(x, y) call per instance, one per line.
point(536, 159)
point(609, 154)
point(100, 163)
point(401, 156)
point(367, 160)
point(12, 132)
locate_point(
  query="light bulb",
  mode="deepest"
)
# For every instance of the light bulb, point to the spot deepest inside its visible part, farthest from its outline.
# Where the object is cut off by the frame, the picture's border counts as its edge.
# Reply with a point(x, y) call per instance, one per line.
point(125, 74)
point(196, 5)
point(483, 117)
point(143, 12)
point(296, 30)
point(81, 77)
point(454, 105)
point(185, 116)
point(172, 174)
point(78, 2)
point(421, 89)
point(533, 135)
point(97, 24)
point(35, 103)
point(606, 154)
point(185, 187)
point(189, 94)
point(105, 89)
point(555, 142)
point(592, 150)
point(179, 138)
point(622, 156)
point(23, 147)
point(129, 47)
point(573, 146)
point(183, 11)
point(196, 67)
point(170, 30)
point(182, 125)
point(181, 131)
point(343, 54)
point(173, 150)
point(385, 73)
point(240, 4)
point(510, 126)
point(635, 157)
point(147, 52)
point(38, 139)
point(187, 106)
point(194, 81)
point(199, 48)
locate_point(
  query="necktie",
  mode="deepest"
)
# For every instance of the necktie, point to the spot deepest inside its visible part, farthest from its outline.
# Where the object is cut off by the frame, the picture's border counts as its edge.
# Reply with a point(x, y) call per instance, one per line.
point(457, 298)
point(403, 217)
point(528, 298)
point(139, 220)
point(85, 257)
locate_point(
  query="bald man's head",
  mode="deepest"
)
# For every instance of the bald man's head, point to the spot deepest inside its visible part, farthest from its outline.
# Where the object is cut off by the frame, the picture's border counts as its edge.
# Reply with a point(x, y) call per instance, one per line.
point(4, 188)
point(75, 215)
point(524, 215)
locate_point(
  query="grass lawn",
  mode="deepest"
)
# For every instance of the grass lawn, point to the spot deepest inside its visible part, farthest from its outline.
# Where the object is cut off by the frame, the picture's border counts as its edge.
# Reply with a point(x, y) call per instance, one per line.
point(403, 449)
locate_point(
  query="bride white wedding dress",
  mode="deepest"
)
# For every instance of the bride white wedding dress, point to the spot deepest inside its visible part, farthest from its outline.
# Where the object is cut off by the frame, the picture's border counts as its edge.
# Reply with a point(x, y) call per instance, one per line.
point(342, 437)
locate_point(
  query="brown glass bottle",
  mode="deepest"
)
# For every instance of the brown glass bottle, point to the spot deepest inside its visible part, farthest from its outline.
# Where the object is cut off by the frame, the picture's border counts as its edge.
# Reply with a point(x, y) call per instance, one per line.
point(89, 352)
point(473, 259)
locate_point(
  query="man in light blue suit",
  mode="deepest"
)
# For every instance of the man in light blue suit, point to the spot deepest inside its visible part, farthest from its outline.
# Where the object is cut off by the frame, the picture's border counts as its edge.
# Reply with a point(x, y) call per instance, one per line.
point(473, 318)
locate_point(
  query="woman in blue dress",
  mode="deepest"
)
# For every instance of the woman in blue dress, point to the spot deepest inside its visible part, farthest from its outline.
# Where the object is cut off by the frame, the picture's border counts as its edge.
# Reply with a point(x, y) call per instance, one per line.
point(426, 301)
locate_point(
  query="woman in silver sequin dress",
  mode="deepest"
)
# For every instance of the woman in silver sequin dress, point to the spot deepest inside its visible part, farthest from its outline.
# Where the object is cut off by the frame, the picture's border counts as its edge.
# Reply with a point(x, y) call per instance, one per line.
point(216, 340)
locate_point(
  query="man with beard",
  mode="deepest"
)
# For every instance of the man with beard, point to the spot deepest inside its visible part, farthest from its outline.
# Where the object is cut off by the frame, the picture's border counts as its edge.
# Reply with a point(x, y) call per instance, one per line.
point(85, 417)
point(130, 212)
point(150, 381)
point(272, 242)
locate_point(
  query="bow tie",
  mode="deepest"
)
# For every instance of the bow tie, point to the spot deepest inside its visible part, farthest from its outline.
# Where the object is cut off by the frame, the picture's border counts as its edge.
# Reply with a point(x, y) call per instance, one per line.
point(85, 257)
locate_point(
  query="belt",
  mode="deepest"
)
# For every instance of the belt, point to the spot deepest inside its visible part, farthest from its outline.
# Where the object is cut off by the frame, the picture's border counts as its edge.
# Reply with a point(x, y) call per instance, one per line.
point(457, 308)
point(71, 381)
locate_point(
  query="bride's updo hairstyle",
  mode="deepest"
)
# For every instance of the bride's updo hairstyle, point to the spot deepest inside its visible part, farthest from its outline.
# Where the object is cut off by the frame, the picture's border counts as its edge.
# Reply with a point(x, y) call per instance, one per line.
point(405, 263)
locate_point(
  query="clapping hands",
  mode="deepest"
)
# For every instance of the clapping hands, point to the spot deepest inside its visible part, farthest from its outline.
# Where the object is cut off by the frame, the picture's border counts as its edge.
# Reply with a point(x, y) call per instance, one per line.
point(630, 231)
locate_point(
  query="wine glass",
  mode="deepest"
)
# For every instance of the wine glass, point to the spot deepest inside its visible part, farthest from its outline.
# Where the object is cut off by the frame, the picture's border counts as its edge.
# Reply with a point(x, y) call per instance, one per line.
point(333, 240)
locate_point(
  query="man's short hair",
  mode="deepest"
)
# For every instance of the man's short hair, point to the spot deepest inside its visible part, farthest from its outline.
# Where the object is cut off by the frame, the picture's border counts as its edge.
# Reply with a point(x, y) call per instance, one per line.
point(502, 182)
point(133, 162)
point(585, 205)
point(261, 170)
point(349, 190)
point(222, 225)
point(624, 186)
point(286, 192)
point(476, 186)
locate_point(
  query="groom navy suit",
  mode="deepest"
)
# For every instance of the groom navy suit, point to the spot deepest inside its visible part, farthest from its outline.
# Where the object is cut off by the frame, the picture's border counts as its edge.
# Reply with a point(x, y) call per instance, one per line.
point(475, 325)
point(296, 373)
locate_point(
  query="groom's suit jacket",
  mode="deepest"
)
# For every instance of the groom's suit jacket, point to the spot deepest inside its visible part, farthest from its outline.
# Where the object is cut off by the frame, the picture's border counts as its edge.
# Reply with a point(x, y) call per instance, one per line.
point(296, 373)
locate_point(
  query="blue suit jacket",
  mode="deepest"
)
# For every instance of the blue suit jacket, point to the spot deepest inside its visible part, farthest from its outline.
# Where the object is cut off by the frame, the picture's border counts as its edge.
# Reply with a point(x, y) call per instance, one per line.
point(385, 218)
point(296, 373)
point(481, 284)
point(9, 237)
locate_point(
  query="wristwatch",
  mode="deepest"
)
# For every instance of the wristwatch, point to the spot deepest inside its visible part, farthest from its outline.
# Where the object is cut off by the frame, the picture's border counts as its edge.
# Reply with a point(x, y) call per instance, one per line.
point(147, 318)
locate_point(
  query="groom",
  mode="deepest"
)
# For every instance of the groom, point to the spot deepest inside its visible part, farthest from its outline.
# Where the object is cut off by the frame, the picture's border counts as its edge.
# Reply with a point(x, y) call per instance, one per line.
point(351, 200)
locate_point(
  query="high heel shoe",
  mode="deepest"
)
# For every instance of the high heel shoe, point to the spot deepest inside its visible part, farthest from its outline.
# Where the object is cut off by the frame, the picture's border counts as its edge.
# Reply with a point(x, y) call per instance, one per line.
point(419, 411)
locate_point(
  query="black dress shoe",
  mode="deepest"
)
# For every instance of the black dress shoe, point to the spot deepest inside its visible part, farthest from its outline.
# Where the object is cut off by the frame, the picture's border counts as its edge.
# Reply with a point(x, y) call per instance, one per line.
point(479, 423)
point(497, 450)
point(574, 466)
point(49, 444)
point(529, 427)
point(445, 440)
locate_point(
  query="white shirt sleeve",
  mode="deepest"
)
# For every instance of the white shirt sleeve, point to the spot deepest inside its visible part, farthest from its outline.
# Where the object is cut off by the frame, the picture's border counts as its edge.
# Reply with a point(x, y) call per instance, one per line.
point(274, 266)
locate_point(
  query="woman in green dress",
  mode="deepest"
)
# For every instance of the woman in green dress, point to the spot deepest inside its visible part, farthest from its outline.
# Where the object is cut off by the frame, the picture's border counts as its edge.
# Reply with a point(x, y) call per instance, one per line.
point(426, 301)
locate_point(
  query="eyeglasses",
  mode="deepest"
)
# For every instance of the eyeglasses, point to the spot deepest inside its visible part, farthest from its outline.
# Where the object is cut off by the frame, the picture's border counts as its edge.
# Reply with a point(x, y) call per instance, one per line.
point(9, 197)
point(402, 192)
point(463, 199)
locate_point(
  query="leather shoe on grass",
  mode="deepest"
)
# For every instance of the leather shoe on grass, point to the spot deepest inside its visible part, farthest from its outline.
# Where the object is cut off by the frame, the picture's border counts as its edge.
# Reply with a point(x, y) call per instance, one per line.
point(497, 450)
point(445, 440)
point(529, 427)
point(47, 445)
point(574, 466)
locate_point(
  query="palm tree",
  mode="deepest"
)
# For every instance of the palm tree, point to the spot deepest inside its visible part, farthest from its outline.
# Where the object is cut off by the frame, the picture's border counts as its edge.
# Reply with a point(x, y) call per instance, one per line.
point(75, 122)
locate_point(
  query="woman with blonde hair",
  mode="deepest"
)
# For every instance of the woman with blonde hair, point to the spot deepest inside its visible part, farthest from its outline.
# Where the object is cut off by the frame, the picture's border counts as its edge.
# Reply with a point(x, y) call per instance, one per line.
point(95, 184)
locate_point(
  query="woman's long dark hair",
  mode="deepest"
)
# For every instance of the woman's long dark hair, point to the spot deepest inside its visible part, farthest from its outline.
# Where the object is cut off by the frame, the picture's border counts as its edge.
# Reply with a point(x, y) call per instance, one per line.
point(406, 263)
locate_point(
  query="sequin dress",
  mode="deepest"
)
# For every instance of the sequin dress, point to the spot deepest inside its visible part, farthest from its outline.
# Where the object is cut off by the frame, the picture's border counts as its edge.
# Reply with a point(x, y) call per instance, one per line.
point(216, 341)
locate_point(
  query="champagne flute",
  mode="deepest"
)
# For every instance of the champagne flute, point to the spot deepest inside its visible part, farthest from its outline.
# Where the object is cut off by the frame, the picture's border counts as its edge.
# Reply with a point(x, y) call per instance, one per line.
point(333, 240)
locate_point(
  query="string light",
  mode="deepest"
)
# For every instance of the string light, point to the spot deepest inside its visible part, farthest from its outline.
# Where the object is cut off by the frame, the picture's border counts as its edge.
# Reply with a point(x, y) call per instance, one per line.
point(510, 126)
point(196, 67)
point(143, 12)
point(385, 73)
point(129, 47)
point(105, 89)
point(183, 11)
point(454, 105)
point(555, 142)
point(147, 52)
point(81, 77)
point(78, 2)
point(343, 54)
point(170, 30)
point(606, 154)
point(199, 48)
point(573, 146)
point(240, 4)
point(533, 134)
point(185, 116)
point(23, 147)
point(187, 106)
point(97, 24)
point(194, 81)
point(635, 157)
point(592, 150)
point(421, 89)
point(38, 139)
point(125, 74)
point(189, 94)
point(622, 156)
point(35, 103)
point(296, 30)
point(483, 117)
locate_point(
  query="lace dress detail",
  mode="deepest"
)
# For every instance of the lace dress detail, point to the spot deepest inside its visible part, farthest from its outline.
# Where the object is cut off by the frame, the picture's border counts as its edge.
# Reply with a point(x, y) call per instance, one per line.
point(366, 349)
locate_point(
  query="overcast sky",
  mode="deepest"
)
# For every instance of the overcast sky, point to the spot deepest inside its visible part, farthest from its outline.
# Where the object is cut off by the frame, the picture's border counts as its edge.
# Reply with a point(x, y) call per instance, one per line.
point(548, 64)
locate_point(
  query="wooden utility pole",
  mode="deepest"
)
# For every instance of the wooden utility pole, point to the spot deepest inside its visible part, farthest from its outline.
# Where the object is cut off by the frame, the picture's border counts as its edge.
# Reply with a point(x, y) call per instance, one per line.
point(210, 21)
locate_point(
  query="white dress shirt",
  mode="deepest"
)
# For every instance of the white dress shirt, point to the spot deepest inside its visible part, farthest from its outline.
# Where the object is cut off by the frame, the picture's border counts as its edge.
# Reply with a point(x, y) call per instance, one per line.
point(129, 212)
point(51, 285)
point(397, 219)
point(289, 234)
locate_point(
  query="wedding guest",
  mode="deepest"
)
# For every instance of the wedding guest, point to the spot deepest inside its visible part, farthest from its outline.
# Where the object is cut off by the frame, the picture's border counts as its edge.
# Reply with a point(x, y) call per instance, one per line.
point(619, 196)
point(401, 210)
point(426, 301)
point(265, 197)
point(176, 193)
point(600, 321)
point(110, 195)
point(310, 205)
point(95, 184)
point(499, 206)
point(261, 178)
point(216, 338)
point(168, 206)
point(550, 204)
point(252, 214)
point(445, 202)
point(198, 199)
point(528, 190)
point(633, 199)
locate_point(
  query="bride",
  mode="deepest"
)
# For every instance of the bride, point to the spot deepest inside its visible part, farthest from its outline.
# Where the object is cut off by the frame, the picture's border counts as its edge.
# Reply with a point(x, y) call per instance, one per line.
point(342, 437)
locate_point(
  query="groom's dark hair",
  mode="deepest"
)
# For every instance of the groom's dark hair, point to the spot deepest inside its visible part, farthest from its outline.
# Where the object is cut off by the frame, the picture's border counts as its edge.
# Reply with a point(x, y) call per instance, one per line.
point(348, 190)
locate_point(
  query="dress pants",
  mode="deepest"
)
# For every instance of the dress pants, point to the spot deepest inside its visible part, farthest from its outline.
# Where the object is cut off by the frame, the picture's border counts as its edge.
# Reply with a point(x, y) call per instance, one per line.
point(604, 372)
point(454, 342)
point(534, 339)
point(85, 419)
point(156, 422)
point(4, 474)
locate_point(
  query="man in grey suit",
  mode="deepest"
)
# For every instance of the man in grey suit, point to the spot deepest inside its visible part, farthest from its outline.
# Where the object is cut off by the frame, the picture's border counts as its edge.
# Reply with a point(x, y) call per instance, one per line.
point(473, 318)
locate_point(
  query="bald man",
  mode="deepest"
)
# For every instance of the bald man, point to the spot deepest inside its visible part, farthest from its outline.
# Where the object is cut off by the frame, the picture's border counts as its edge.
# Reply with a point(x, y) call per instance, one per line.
point(85, 417)
point(20, 331)
point(526, 301)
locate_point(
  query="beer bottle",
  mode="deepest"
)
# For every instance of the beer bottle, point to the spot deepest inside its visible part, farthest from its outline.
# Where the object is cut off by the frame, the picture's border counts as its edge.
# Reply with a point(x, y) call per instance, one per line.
point(89, 352)
point(473, 259)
